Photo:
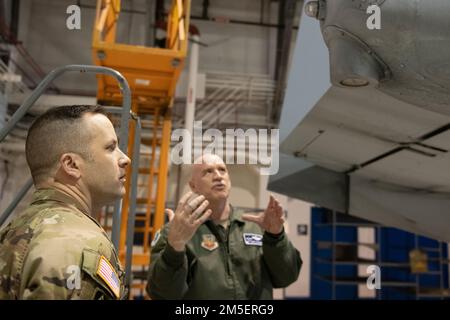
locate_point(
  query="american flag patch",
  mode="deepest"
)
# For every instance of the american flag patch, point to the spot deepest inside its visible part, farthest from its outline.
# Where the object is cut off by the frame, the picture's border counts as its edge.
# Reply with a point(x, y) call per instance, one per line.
point(107, 273)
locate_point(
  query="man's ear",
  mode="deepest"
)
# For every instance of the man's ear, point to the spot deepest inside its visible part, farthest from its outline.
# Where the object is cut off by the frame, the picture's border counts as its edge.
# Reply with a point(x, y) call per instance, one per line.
point(70, 164)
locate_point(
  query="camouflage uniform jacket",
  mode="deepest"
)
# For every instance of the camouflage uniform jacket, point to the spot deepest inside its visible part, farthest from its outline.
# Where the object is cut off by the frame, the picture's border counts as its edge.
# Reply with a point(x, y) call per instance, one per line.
point(56, 250)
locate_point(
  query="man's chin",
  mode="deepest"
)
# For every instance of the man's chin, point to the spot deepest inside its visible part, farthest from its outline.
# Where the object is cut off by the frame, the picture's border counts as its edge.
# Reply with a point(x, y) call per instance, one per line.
point(220, 195)
point(117, 195)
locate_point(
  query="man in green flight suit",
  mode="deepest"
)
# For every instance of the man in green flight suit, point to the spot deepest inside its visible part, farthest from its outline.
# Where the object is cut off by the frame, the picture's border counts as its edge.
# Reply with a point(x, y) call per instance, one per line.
point(56, 249)
point(209, 250)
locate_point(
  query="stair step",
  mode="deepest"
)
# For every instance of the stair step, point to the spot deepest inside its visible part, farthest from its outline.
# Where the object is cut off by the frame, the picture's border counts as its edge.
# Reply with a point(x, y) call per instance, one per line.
point(144, 201)
point(149, 141)
point(138, 259)
point(147, 171)
point(146, 154)
point(142, 230)
point(140, 275)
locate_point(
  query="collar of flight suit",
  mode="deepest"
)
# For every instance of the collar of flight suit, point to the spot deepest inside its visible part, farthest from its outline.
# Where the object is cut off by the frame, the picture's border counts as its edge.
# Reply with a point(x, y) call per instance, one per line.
point(236, 215)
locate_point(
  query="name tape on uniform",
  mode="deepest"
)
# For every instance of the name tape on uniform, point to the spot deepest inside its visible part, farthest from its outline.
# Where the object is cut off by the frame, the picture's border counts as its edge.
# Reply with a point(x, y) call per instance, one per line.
point(253, 239)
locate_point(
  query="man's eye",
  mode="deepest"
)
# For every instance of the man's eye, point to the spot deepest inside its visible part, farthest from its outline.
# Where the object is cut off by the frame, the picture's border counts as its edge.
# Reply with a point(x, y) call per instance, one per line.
point(112, 147)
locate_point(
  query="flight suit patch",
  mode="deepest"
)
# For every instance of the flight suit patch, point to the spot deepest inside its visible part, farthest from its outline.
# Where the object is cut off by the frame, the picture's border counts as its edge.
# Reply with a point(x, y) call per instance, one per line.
point(209, 242)
point(253, 239)
point(156, 238)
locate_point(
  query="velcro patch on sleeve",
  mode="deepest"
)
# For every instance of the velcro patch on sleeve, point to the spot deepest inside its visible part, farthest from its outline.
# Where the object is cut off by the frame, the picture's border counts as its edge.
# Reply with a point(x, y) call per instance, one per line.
point(109, 275)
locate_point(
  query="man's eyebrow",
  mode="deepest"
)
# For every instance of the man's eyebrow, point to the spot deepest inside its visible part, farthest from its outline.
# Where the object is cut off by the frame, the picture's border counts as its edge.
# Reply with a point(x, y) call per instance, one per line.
point(112, 141)
point(206, 169)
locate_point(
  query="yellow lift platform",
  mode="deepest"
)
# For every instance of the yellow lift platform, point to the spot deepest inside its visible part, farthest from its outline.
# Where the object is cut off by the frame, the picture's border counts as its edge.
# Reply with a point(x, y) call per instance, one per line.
point(152, 74)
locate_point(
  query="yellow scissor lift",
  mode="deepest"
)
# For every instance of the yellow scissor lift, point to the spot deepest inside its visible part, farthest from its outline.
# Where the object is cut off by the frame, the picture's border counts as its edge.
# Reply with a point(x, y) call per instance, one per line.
point(152, 74)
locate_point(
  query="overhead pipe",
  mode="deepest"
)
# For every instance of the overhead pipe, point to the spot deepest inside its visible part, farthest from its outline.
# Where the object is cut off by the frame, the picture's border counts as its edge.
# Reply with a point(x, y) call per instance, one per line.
point(191, 96)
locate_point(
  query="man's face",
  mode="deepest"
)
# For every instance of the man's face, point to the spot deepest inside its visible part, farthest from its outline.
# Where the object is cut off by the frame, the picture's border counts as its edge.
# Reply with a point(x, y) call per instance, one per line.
point(211, 179)
point(104, 172)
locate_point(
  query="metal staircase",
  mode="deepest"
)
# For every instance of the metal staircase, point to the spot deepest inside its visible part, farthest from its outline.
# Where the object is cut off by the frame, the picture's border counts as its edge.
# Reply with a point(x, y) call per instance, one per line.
point(152, 74)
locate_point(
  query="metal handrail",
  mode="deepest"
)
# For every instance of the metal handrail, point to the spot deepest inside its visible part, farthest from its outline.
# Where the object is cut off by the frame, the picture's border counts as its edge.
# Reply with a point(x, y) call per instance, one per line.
point(133, 197)
point(133, 194)
point(123, 134)
point(22, 192)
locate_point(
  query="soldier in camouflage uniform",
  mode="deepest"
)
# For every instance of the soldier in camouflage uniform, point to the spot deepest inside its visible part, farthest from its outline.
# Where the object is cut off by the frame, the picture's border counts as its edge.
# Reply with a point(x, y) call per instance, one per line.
point(56, 249)
point(210, 250)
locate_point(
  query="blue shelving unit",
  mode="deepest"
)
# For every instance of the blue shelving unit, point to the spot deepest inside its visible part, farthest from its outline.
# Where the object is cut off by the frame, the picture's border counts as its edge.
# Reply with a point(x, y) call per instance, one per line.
point(335, 261)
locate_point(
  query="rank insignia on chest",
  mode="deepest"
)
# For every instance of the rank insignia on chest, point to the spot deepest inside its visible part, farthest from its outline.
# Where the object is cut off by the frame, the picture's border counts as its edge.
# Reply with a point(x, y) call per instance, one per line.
point(209, 242)
point(253, 239)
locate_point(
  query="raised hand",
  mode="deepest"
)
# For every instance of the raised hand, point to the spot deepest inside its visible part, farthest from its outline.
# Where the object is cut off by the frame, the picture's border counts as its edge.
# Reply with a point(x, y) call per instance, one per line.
point(188, 216)
point(271, 220)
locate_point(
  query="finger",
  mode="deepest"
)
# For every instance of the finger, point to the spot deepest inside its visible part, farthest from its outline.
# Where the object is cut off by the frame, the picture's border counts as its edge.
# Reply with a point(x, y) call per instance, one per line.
point(251, 218)
point(272, 202)
point(278, 208)
point(203, 218)
point(198, 212)
point(170, 214)
point(193, 204)
point(183, 200)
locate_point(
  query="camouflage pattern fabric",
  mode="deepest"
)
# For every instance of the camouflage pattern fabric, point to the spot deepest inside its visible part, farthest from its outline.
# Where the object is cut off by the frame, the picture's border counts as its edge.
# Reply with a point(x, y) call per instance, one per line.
point(56, 250)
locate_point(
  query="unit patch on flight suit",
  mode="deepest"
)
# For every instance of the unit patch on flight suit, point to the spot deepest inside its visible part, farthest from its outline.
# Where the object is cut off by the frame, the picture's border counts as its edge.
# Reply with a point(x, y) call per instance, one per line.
point(209, 242)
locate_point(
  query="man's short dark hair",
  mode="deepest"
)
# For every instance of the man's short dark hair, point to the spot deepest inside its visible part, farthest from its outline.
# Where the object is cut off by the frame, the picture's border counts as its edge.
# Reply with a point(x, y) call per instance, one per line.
point(59, 130)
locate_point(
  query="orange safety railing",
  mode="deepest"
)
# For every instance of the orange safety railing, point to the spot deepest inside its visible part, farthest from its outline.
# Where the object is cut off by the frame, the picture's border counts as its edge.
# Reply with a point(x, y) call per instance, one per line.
point(152, 74)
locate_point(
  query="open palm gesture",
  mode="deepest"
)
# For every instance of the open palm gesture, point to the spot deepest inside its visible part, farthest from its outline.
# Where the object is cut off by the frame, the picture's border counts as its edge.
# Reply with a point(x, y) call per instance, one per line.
point(271, 220)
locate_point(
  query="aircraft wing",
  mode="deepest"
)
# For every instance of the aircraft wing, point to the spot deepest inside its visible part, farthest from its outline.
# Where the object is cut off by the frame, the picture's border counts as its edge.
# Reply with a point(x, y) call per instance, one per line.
point(365, 126)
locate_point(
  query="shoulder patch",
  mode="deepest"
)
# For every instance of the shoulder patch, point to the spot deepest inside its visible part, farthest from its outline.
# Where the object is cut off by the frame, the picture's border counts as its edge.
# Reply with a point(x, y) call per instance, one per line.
point(209, 242)
point(253, 239)
point(109, 275)
point(156, 238)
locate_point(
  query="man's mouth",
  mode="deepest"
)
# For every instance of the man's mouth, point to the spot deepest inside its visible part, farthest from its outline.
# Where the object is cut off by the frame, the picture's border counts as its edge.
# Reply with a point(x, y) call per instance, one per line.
point(123, 178)
point(219, 186)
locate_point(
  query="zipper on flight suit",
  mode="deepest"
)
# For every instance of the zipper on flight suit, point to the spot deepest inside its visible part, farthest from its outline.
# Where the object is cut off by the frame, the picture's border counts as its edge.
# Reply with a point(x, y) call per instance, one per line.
point(223, 243)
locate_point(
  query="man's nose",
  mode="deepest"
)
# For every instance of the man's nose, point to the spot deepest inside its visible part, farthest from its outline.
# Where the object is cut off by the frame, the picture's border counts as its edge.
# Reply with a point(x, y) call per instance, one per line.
point(217, 175)
point(124, 160)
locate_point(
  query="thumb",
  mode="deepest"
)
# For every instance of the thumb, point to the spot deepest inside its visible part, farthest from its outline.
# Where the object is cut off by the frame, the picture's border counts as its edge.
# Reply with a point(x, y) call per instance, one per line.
point(251, 218)
point(169, 214)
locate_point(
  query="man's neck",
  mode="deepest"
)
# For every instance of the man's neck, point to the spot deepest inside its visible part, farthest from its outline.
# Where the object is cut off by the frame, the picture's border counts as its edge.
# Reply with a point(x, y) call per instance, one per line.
point(72, 191)
point(220, 210)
